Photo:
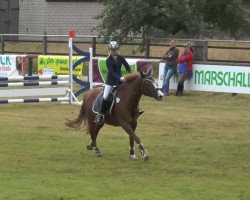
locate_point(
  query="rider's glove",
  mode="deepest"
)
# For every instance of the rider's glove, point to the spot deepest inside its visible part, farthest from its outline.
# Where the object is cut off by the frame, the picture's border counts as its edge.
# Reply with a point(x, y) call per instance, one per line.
point(122, 79)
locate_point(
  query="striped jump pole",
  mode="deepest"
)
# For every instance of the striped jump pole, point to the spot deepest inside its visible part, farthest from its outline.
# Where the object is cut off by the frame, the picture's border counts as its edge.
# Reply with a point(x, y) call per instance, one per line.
point(87, 57)
point(34, 100)
point(29, 78)
point(71, 35)
point(29, 81)
point(35, 83)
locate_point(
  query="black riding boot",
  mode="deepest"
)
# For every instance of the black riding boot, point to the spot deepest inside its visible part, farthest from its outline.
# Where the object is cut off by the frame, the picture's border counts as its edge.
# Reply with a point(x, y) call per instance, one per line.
point(100, 116)
point(181, 89)
point(178, 90)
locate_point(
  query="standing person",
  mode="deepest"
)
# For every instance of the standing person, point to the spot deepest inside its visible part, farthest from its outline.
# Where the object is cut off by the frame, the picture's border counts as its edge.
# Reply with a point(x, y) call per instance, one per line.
point(185, 67)
point(114, 63)
point(171, 57)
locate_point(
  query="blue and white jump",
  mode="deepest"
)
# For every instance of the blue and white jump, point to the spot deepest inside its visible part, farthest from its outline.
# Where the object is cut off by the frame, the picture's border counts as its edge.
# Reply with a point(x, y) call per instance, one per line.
point(34, 83)
point(57, 81)
point(35, 91)
point(29, 78)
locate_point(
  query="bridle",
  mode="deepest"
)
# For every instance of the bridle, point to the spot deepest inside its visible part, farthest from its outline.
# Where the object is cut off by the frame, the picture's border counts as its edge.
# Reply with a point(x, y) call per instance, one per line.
point(151, 80)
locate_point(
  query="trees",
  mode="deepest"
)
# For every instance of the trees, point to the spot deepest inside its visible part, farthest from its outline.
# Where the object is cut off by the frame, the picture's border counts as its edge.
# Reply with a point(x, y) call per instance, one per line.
point(230, 16)
point(122, 18)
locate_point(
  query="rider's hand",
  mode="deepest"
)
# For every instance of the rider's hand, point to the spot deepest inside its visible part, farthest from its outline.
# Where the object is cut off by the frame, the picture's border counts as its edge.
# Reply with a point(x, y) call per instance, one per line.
point(122, 79)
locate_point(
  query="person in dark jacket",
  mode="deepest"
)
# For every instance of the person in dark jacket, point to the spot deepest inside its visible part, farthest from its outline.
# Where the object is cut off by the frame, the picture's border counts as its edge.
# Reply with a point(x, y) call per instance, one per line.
point(114, 63)
point(185, 67)
point(170, 68)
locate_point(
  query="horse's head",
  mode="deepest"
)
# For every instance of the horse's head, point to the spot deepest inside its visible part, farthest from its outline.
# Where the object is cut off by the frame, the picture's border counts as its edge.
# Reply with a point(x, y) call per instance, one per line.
point(149, 87)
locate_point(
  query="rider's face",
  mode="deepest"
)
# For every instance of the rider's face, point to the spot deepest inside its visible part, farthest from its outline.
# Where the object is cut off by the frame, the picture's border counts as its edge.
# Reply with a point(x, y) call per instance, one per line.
point(186, 49)
point(113, 52)
point(172, 43)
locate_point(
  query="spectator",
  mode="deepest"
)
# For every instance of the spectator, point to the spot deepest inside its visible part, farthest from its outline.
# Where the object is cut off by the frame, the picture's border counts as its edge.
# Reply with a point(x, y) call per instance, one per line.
point(185, 68)
point(170, 68)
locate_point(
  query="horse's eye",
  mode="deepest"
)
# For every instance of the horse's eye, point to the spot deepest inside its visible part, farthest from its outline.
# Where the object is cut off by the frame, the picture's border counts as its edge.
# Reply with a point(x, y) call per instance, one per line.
point(147, 83)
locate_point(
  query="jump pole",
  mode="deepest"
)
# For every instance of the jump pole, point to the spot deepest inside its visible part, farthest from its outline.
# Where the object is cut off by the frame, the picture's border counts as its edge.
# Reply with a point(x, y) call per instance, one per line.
point(91, 68)
point(66, 80)
point(71, 92)
point(34, 93)
point(72, 96)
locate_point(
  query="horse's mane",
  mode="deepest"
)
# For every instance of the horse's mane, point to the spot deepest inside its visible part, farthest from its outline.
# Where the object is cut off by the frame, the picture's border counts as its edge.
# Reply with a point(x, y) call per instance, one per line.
point(131, 77)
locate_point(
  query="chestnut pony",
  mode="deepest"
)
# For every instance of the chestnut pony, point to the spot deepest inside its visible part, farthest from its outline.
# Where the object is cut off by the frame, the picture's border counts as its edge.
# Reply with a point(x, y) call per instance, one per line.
point(124, 112)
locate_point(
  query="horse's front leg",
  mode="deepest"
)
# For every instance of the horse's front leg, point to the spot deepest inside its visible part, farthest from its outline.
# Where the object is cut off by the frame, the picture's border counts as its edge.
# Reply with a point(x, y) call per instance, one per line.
point(132, 150)
point(132, 135)
point(131, 142)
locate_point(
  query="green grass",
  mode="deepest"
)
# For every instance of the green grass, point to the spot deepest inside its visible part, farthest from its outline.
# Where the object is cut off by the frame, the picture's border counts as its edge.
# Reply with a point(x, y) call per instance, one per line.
point(199, 146)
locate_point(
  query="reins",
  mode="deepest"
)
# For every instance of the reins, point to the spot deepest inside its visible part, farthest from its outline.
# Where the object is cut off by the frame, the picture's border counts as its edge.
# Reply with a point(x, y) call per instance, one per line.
point(142, 82)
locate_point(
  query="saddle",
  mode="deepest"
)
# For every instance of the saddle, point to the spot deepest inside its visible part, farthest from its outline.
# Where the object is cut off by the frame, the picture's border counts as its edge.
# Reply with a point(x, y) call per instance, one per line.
point(111, 99)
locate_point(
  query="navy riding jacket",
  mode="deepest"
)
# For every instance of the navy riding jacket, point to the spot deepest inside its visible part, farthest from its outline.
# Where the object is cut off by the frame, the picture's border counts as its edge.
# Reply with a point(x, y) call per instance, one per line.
point(114, 69)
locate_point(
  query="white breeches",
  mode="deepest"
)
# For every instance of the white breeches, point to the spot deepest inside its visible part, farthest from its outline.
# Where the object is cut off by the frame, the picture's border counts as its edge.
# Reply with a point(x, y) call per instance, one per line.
point(106, 91)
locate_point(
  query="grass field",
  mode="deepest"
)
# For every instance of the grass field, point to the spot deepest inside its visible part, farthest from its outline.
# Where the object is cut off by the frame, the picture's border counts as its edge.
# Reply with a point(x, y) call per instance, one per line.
point(199, 146)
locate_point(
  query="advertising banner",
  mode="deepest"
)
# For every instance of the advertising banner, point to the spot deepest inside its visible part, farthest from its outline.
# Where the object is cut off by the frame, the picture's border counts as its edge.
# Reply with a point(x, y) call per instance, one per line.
point(12, 65)
point(100, 68)
point(57, 65)
point(215, 78)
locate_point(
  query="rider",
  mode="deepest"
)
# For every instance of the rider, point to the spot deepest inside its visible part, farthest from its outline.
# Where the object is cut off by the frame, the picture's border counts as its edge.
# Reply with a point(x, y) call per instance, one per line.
point(114, 76)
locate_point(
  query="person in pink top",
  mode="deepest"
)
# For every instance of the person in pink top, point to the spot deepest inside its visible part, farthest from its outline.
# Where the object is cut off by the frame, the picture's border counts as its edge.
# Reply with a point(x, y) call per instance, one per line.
point(185, 68)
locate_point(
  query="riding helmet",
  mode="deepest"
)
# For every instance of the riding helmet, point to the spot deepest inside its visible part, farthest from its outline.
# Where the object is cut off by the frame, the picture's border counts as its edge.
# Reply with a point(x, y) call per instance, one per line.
point(113, 45)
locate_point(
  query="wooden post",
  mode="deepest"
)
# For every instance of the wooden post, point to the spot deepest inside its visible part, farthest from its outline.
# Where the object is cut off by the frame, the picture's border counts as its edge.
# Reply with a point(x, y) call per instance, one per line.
point(45, 44)
point(2, 45)
point(30, 65)
point(94, 46)
point(205, 50)
point(147, 48)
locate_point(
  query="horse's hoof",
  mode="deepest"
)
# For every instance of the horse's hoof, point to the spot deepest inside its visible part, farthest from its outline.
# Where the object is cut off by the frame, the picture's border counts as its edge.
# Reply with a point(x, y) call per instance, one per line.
point(98, 153)
point(145, 155)
point(89, 147)
point(146, 158)
point(133, 157)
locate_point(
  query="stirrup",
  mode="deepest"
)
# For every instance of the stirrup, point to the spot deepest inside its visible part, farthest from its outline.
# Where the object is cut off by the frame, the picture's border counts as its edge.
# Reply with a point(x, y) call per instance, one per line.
point(99, 118)
point(141, 112)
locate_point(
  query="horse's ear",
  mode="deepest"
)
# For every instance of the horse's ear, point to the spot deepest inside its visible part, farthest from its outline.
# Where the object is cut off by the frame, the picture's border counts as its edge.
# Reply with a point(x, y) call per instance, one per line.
point(146, 70)
point(148, 74)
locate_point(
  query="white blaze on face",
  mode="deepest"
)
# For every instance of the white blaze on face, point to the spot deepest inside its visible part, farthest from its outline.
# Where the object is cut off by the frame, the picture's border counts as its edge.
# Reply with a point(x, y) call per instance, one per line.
point(159, 93)
point(154, 84)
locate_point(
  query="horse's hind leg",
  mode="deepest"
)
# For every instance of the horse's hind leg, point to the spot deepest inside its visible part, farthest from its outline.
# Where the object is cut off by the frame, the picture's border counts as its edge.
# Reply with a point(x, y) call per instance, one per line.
point(94, 130)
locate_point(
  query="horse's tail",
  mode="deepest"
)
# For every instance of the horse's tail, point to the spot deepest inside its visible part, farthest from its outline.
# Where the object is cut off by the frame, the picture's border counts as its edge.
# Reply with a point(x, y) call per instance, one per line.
point(79, 120)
